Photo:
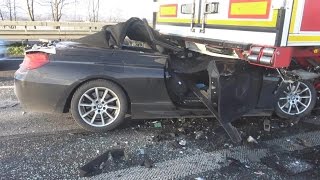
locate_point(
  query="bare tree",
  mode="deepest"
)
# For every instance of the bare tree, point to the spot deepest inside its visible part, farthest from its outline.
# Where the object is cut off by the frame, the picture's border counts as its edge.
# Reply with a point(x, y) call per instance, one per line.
point(15, 10)
point(94, 7)
point(115, 15)
point(57, 7)
point(9, 8)
point(30, 7)
point(1, 15)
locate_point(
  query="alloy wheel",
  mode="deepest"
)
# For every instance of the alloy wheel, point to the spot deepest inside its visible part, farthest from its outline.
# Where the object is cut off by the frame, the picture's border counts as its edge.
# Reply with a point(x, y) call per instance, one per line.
point(99, 106)
point(296, 98)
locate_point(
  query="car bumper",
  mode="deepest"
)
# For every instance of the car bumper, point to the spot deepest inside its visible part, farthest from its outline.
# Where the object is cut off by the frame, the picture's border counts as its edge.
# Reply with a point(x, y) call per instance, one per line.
point(36, 96)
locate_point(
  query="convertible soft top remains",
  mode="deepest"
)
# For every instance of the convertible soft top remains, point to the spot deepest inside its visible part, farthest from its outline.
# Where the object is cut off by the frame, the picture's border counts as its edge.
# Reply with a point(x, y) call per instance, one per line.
point(113, 36)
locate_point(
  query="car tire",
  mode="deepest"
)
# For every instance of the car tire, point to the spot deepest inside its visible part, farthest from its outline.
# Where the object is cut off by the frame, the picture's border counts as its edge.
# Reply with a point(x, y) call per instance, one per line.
point(301, 96)
point(102, 112)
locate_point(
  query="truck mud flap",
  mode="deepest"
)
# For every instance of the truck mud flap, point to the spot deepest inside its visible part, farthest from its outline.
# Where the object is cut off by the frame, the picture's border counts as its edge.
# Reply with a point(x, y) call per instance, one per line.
point(234, 90)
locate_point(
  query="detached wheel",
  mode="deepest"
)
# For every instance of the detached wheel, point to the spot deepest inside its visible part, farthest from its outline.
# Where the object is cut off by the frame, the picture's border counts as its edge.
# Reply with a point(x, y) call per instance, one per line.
point(99, 106)
point(297, 100)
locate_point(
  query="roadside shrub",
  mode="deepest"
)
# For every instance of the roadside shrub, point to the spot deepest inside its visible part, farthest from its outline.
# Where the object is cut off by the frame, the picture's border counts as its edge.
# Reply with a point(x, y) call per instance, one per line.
point(15, 50)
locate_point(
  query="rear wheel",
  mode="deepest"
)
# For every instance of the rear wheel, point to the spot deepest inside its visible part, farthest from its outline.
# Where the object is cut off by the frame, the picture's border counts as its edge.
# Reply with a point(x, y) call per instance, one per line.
point(99, 105)
point(297, 100)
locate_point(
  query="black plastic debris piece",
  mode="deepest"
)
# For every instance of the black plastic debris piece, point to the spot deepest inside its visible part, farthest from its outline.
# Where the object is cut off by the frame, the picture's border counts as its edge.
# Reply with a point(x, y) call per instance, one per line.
point(267, 125)
point(146, 162)
point(6, 105)
point(234, 166)
point(163, 137)
point(96, 165)
point(288, 164)
point(199, 135)
point(253, 157)
point(303, 142)
point(311, 154)
point(174, 145)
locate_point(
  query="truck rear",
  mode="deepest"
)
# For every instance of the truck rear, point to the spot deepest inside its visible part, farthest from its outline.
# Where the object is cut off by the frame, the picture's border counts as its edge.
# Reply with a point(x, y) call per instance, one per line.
point(280, 29)
point(281, 38)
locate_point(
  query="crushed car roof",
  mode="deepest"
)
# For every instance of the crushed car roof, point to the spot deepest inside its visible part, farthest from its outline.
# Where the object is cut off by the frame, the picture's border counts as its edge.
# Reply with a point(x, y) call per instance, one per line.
point(113, 36)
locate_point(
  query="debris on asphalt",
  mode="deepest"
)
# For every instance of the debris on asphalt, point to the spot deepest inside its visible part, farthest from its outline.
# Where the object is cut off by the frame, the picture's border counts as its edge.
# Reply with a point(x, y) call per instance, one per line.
point(181, 130)
point(253, 157)
point(276, 126)
point(116, 154)
point(199, 135)
point(252, 140)
point(8, 104)
point(199, 178)
point(227, 145)
point(183, 142)
point(163, 137)
point(288, 164)
point(95, 166)
point(234, 165)
point(157, 124)
point(174, 145)
point(260, 173)
point(141, 152)
point(146, 162)
point(303, 142)
point(267, 125)
point(102, 165)
point(182, 120)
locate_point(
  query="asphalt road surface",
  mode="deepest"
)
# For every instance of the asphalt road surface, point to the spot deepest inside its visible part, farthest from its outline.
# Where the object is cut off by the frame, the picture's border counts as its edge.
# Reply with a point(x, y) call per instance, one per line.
point(52, 146)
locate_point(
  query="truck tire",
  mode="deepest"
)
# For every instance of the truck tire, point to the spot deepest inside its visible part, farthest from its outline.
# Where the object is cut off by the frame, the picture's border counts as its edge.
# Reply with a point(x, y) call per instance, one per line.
point(297, 100)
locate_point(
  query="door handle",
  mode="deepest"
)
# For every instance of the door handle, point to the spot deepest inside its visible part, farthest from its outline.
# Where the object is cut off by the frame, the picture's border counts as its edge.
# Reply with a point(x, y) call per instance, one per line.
point(208, 8)
point(189, 9)
point(193, 15)
point(211, 8)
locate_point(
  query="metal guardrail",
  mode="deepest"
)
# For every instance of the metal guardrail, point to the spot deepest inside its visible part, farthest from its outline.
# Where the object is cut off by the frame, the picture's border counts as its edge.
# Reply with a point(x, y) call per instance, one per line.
point(34, 30)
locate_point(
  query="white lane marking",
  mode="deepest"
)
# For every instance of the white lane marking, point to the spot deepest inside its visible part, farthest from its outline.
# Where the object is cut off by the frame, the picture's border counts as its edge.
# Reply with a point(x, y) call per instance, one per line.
point(6, 87)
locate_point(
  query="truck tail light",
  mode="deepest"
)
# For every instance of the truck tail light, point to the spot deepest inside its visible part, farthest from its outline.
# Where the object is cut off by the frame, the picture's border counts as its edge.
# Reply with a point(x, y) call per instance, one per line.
point(276, 57)
point(35, 60)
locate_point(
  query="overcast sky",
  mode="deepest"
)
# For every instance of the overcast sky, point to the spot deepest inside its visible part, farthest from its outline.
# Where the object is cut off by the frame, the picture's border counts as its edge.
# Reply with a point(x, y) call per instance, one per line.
point(119, 9)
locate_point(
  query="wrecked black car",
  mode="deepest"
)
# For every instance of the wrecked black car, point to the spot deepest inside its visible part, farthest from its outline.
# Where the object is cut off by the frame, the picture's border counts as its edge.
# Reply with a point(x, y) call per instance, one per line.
point(102, 77)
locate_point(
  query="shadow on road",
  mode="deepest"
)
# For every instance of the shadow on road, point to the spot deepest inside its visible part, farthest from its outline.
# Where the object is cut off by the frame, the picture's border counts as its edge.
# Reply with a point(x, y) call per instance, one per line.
point(10, 64)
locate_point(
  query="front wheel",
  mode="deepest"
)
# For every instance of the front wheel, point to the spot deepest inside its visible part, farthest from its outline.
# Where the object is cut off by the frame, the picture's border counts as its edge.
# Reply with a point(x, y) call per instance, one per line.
point(99, 105)
point(297, 100)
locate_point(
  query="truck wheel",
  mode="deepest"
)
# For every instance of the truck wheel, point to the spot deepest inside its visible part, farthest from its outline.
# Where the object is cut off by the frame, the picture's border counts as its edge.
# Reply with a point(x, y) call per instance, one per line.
point(99, 105)
point(297, 100)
